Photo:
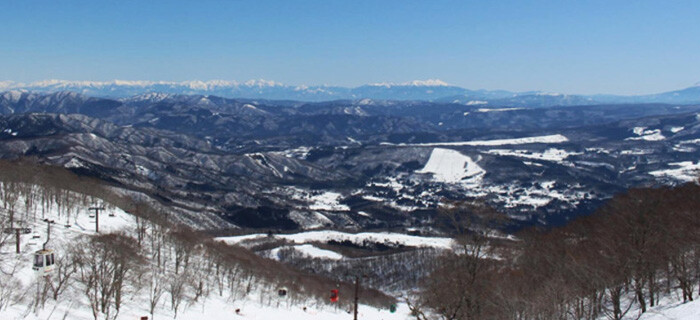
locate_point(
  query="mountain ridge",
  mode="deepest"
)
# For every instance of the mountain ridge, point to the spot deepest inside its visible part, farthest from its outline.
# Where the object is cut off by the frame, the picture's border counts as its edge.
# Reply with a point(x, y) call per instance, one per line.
point(425, 90)
point(293, 165)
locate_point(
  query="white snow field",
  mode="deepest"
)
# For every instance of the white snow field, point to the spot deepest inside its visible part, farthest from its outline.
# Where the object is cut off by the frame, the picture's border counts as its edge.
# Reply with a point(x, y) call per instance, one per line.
point(72, 304)
point(328, 201)
point(647, 135)
point(309, 251)
point(686, 171)
point(554, 138)
point(358, 238)
point(551, 154)
point(676, 129)
point(674, 311)
point(451, 166)
point(317, 200)
point(497, 109)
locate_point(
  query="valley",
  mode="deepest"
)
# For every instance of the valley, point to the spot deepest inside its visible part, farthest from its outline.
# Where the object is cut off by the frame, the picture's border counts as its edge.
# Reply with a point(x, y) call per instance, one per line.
point(226, 163)
point(330, 188)
point(365, 160)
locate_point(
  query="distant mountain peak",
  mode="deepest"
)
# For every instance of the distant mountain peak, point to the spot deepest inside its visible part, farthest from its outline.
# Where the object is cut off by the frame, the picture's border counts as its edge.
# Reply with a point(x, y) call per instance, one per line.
point(12, 95)
point(549, 94)
point(429, 83)
point(150, 96)
point(414, 83)
point(262, 83)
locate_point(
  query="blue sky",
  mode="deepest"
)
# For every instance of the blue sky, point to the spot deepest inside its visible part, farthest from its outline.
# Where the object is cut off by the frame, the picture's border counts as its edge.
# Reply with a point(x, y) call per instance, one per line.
point(623, 47)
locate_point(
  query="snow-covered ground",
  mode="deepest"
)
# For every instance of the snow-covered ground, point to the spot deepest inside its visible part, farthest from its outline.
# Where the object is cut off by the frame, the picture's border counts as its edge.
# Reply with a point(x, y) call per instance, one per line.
point(551, 154)
point(307, 250)
point(498, 109)
point(259, 304)
point(451, 166)
point(674, 311)
point(676, 129)
point(647, 135)
point(318, 200)
point(554, 138)
point(686, 171)
point(328, 201)
point(357, 238)
point(636, 152)
point(216, 309)
point(537, 195)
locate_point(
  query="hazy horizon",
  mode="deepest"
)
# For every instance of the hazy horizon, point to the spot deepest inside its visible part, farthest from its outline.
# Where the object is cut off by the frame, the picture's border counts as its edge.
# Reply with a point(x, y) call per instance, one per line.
point(596, 47)
point(7, 84)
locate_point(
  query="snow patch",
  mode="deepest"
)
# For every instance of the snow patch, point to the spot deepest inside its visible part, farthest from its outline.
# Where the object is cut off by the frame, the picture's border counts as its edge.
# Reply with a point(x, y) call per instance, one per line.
point(497, 109)
point(357, 238)
point(451, 166)
point(677, 129)
point(647, 135)
point(364, 214)
point(319, 200)
point(328, 201)
point(636, 152)
point(73, 163)
point(554, 138)
point(10, 132)
point(687, 171)
point(309, 251)
point(551, 154)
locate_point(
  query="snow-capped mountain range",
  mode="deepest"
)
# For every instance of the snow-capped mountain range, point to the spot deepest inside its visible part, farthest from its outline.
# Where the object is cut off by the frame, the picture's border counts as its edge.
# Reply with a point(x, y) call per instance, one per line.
point(419, 89)
point(427, 90)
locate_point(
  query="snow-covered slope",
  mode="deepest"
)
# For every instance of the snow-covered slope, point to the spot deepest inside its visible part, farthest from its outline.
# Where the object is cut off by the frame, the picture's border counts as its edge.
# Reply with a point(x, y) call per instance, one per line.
point(327, 235)
point(685, 171)
point(554, 138)
point(71, 222)
point(451, 166)
point(674, 311)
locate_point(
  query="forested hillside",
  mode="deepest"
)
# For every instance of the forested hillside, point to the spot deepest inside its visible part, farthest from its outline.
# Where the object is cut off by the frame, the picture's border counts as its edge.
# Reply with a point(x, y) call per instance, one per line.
point(642, 248)
point(139, 263)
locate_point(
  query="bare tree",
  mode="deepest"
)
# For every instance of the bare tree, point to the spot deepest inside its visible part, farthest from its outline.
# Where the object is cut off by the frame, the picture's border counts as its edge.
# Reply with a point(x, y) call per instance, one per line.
point(156, 287)
point(105, 265)
point(459, 288)
point(66, 268)
point(177, 289)
point(11, 288)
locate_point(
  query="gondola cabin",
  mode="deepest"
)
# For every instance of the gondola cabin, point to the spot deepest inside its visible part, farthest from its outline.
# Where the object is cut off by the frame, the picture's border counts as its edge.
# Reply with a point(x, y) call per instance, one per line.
point(282, 292)
point(44, 262)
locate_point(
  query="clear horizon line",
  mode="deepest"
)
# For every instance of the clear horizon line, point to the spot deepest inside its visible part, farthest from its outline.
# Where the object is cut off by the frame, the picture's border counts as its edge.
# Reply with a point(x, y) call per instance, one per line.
point(431, 82)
